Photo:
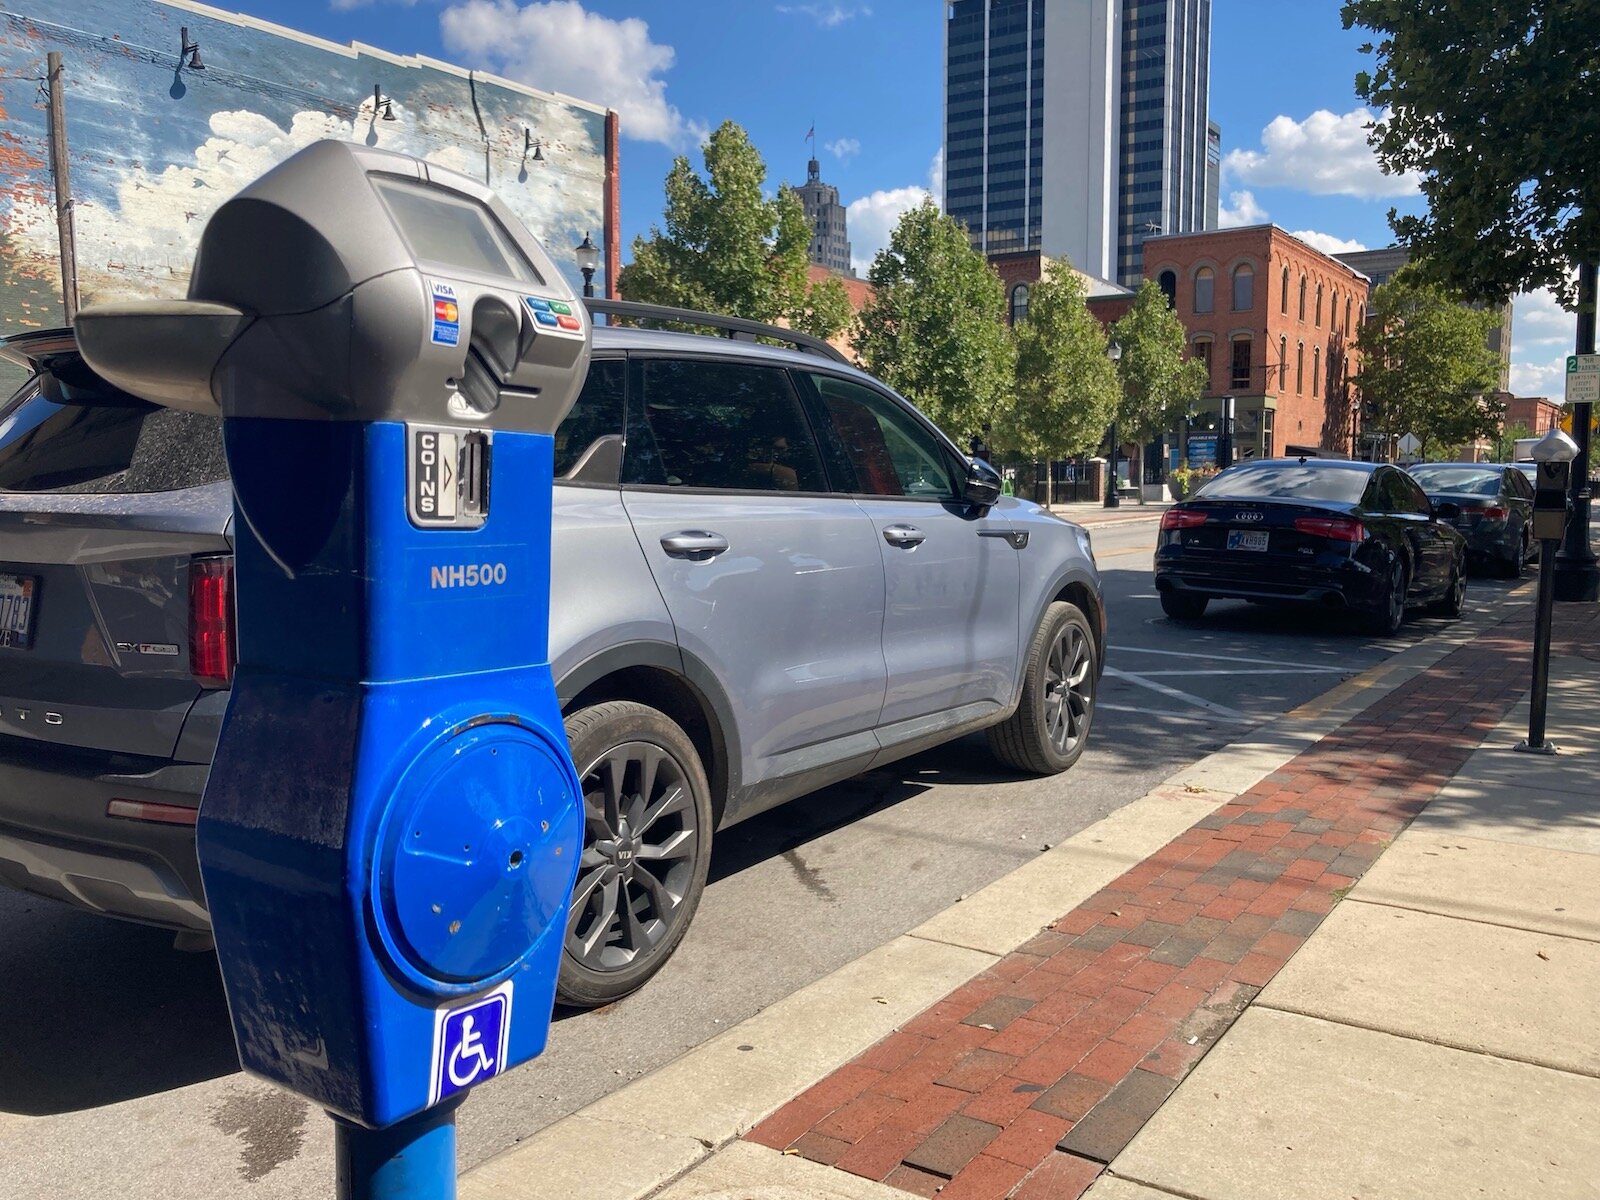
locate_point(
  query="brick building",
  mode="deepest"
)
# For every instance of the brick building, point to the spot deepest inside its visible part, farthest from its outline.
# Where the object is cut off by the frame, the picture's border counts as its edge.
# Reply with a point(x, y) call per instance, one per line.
point(1274, 319)
point(1019, 272)
point(1537, 413)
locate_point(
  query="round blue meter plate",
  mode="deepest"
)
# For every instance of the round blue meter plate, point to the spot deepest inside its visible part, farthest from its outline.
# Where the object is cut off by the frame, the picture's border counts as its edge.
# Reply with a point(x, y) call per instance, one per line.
point(479, 858)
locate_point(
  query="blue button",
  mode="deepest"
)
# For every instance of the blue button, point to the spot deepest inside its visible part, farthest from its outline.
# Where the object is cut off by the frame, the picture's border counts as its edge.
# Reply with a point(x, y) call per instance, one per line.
point(546, 318)
point(537, 304)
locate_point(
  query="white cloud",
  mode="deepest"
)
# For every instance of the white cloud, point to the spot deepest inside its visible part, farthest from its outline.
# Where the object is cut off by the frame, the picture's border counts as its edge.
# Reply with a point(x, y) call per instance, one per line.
point(1327, 242)
point(559, 46)
point(829, 16)
point(1325, 154)
point(1542, 335)
point(1241, 209)
point(936, 177)
point(843, 148)
point(872, 219)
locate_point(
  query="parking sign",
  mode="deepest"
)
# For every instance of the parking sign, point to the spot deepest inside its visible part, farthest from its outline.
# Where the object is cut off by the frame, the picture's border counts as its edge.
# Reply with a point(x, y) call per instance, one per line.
point(1583, 379)
point(469, 1043)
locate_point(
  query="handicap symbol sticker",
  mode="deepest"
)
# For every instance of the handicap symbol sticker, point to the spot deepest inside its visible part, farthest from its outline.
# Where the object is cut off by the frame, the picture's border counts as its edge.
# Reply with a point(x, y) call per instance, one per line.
point(446, 315)
point(470, 1043)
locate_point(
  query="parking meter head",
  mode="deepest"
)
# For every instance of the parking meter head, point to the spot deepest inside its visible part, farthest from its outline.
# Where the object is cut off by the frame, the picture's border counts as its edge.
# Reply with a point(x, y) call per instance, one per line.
point(1554, 446)
point(391, 826)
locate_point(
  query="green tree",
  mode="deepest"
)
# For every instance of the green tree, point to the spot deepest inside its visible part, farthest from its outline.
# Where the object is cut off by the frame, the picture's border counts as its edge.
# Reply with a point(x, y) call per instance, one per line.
point(935, 330)
point(727, 248)
point(1159, 380)
point(1426, 368)
point(1493, 102)
point(1505, 442)
point(1066, 386)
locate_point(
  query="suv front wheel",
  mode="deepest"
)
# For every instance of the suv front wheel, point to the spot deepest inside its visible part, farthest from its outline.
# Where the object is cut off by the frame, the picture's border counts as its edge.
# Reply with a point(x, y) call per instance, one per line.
point(646, 849)
point(1047, 733)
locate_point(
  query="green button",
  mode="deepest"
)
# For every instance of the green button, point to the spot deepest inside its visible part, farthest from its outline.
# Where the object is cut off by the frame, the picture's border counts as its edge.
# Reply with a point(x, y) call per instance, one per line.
point(558, 306)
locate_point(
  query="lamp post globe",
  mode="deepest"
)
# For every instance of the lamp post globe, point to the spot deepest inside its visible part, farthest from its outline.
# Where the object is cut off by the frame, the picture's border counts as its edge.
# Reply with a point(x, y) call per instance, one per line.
point(588, 258)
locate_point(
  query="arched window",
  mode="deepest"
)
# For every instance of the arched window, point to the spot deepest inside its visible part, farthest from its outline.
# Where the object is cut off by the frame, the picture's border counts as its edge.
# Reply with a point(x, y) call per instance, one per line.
point(1019, 304)
point(1302, 297)
point(1316, 368)
point(1283, 296)
point(1333, 310)
point(1168, 282)
point(1347, 314)
point(1283, 362)
point(1244, 288)
point(1319, 306)
point(1299, 368)
point(1203, 281)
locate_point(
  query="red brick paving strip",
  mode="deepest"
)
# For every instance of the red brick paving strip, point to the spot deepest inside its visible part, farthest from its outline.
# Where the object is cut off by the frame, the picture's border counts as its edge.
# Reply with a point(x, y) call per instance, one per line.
point(1026, 1080)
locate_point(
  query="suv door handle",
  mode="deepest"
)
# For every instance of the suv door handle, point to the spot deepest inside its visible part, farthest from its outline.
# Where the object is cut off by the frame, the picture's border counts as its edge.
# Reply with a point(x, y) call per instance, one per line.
point(694, 544)
point(904, 535)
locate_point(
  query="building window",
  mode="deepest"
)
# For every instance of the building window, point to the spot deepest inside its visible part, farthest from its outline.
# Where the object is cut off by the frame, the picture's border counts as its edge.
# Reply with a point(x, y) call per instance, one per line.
point(1299, 368)
point(1333, 310)
point(1283, 363)
point(1302, 297)
point(1347, 314)
point(1319, 306)
point(1239, 377)
point(1202, 354)
point(1244, 288)
point(1316, 367)
point(1283, 296)
point(1019, 304)
point(1202, 290)
point(1168, 283)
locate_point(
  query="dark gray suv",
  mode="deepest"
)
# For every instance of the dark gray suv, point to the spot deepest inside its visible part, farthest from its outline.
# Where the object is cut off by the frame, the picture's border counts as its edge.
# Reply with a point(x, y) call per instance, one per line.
point(771, 573)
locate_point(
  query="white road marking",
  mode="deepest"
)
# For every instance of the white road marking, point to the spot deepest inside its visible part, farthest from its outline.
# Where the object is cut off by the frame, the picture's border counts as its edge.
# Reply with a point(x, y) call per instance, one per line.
point(1176, 716)
point(1248, 671)
point(1174, 693)
point(1270, 662)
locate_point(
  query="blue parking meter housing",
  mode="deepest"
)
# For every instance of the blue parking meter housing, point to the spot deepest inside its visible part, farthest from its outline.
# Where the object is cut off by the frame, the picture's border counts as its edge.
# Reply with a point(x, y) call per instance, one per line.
point(392, 824)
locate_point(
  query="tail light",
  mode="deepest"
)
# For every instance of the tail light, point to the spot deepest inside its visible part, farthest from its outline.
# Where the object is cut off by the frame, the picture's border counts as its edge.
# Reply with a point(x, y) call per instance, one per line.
point(211, 632)
point(1181, 518)
point(1495, 513)
point(1338, 529)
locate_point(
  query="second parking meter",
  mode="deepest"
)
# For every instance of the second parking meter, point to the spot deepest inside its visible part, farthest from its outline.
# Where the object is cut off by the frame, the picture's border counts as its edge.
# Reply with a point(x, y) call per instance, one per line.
point(1550, 500)
point(392, 824)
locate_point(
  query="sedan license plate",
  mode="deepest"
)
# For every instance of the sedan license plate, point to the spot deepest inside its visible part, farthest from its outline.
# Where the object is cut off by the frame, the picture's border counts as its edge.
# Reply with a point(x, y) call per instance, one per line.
point(1243, 539)
point(17, 595)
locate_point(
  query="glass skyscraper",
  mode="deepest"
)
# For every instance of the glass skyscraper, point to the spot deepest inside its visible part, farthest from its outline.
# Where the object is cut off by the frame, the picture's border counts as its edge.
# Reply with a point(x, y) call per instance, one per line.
point(1077, 128)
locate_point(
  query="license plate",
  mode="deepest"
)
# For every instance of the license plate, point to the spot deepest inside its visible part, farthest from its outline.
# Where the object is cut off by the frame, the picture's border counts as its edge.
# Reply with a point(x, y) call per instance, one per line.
point(17, 594)
point(1241, 539)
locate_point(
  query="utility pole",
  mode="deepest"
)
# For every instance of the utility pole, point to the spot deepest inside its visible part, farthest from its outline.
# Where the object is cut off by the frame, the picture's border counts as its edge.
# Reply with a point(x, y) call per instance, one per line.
point(1577, 572)
point(63, 178)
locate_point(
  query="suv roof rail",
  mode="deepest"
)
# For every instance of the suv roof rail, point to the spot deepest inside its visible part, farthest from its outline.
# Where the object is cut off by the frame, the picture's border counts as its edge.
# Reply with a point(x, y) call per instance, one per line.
point(733, 327)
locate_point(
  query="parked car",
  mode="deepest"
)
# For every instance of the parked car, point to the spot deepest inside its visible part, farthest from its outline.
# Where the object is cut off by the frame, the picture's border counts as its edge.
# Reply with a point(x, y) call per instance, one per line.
point(1496, 504)
point(771, 573)
point(1348, 536)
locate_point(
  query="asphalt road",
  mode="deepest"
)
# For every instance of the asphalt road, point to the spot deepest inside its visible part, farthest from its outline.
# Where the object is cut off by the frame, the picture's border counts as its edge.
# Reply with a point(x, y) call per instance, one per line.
point(117, 1069)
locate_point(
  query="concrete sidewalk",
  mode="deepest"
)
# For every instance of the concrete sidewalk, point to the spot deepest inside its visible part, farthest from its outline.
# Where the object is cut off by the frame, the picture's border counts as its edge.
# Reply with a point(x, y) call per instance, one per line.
point(1421, 1040)
point(1094, 513)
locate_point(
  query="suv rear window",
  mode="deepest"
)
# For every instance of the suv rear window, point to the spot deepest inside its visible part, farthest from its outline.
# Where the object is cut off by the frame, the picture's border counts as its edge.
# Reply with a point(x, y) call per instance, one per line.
point(120, 446)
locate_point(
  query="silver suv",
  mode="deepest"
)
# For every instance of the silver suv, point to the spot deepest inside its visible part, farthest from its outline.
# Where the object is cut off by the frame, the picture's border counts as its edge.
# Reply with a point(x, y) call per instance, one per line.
point(771, 573)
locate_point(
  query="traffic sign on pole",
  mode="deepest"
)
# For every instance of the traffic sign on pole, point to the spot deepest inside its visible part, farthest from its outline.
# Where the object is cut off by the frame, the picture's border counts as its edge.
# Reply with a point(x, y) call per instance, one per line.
point(1583, 379)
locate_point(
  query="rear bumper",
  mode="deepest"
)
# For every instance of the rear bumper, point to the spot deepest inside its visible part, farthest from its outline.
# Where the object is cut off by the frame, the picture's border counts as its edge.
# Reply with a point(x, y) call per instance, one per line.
point(57, 841)
point(1347, 584)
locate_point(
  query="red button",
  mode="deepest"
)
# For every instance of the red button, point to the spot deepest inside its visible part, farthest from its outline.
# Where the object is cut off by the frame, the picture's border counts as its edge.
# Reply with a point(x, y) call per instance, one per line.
point(569, 322)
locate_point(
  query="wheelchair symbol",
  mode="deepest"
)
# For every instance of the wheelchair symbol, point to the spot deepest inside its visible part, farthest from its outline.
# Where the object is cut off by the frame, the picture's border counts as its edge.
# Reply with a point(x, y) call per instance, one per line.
point(470, 1043)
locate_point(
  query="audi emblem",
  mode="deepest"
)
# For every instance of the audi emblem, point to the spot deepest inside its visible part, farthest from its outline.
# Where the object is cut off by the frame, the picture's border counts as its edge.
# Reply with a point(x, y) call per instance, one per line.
point(1247, 516)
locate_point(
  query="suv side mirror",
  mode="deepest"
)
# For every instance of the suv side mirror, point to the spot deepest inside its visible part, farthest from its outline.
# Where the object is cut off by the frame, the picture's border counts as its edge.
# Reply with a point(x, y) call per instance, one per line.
point(983, 484)
point(1446, 511)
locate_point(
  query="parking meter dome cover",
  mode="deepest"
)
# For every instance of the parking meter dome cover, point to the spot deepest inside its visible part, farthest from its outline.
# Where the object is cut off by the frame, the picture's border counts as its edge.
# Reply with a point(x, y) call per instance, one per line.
point(1554, 446)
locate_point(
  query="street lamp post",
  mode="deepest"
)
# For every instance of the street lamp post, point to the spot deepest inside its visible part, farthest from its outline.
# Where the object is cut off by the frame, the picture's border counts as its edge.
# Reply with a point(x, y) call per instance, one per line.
point(1577, 569)
point(1114, 353)
point(588, 256)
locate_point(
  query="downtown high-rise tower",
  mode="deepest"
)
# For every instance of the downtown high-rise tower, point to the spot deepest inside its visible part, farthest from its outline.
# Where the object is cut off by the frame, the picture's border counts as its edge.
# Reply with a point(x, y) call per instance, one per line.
point(1077, 128)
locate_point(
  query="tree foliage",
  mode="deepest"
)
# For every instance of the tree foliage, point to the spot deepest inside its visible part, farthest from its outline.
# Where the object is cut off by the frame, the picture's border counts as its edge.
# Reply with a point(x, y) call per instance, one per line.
point(1493, 101)
point(935, 330)
point(1066, 387)
point(729, 249)
point(1426, 368)
point(1159, 381)
point(1505, 442)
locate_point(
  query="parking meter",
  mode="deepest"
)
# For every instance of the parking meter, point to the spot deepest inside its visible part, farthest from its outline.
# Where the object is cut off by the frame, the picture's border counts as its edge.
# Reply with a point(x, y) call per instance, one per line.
point(392, 824)
point(1550, 500)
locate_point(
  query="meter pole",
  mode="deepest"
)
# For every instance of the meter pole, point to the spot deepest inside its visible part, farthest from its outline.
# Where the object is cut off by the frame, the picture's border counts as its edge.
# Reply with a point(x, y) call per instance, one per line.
point(413, 1160)
point(1538, 698)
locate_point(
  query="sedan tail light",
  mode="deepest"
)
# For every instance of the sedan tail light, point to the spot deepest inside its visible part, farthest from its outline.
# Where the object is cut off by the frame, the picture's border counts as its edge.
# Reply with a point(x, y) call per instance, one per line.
point(1181, 518)
point(1339, 529)
point(1495, 513)
point(211, 631)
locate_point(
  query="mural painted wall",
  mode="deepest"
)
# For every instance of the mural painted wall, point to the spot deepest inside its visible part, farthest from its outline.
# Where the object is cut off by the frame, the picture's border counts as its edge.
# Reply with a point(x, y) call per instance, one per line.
point(155, 148)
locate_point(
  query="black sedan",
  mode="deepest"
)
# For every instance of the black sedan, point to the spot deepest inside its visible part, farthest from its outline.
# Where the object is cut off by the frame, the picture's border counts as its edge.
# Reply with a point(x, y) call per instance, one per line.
point(1342, 535)
point(1496, 503)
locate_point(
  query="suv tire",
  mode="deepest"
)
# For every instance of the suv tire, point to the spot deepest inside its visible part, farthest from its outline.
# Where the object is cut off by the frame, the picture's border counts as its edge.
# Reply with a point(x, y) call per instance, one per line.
point(1184, 606)
point(646, 849)
point(1050, 728)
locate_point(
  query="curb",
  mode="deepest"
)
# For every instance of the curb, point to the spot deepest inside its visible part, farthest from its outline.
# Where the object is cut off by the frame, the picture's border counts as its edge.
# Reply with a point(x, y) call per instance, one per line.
point(629, 1144)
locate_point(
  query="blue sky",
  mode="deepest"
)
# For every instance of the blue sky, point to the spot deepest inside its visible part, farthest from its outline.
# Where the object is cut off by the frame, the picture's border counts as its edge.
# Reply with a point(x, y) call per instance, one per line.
point(868, 75)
